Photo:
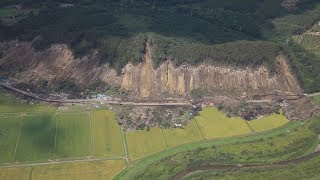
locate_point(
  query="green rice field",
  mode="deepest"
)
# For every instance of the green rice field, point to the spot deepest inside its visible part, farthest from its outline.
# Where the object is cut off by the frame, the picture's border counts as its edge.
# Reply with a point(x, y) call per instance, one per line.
point(143, 142)
point(186, 134)
point(268, 122)
point(106, 134)
point(73, 135)
point(9, 127)
point(30, 135)
point(40, 133)
point(36, 138)
point(214, 124)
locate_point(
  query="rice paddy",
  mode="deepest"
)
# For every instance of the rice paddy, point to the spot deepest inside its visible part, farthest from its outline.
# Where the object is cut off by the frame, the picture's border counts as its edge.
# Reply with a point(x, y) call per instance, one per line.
point(105, 169)
point(214, 124)
point(268, 122)
point(186, 134)
point(41, 134)
point(73, 135)
point(106, 134)
point(143, 142)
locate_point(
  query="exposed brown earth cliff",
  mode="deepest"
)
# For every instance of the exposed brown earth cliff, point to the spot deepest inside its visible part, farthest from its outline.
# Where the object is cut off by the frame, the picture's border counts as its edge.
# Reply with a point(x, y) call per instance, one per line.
point(143, 80)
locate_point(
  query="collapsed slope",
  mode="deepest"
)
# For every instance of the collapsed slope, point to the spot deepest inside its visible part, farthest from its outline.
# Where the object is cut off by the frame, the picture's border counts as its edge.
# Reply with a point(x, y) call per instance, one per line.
point(143, 80)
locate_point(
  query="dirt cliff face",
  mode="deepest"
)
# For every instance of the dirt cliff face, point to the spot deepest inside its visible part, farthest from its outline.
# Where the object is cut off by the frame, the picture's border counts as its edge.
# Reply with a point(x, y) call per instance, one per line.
point(208, 79)
point(57, 62)
point(142, 80)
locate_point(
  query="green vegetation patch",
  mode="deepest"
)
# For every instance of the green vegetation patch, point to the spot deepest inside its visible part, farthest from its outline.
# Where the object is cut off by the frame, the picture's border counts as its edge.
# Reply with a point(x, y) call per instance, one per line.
point(10, 105)
point(9, 128)
point(138, 167)
point(7, 12)
point(73, 135)
point(37, 138)
point(106, 133)
point(239, 53)
point(214, 124)
point(144, 142)
point(306, 64)
point(291, 141)
point(295, 23)
point(181, 135)
point(305, 170)
point(268, 122)
point(317, 99)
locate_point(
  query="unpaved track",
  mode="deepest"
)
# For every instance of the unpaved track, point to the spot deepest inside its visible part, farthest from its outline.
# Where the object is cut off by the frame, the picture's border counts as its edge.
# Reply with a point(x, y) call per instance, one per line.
point(289, 97)
point(61, 162)
point(241, 166)
point(95, 100)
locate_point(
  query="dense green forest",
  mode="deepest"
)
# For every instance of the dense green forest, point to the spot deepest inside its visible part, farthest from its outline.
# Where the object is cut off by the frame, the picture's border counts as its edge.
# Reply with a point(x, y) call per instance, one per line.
point(233, 32)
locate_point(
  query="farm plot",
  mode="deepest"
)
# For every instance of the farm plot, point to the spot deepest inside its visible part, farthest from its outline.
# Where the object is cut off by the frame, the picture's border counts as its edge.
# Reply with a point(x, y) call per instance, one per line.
point(214, 124)
point(7, 12)
point(183, 135)
point(10, 105)
point(81, 171)
point(20, 173)
point(37, 138)
point(9, 127)
point(268, 122)
point(106, 133)
point(142, 143)
point(73, 135)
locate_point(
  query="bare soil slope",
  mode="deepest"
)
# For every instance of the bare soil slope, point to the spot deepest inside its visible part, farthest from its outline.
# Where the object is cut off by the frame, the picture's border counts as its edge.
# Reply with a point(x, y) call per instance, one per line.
point(21, 61)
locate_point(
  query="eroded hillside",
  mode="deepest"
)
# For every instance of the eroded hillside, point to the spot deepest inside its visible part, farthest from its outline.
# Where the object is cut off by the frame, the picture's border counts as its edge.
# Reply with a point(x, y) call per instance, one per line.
point(21, 61)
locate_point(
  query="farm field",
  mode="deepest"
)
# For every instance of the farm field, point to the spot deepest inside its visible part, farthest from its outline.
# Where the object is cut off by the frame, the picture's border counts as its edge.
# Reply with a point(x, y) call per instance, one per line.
point(268, 122)
point(36, 140)
point(178, 136)
point(6, 12)
point(139, 166)
point(9, 105)
point(39, 133)
point(211, 124)
point(9, 128)
point(142, 143)
point(293, 140)
point(214, 124)
point(40, 137)
point(96, 170)
point(73, 135)
point(106, 134)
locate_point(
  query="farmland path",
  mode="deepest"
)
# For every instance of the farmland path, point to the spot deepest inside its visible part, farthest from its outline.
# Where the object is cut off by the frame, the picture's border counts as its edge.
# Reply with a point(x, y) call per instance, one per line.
point(241, 166)
point(125, 146)
point(62, 162)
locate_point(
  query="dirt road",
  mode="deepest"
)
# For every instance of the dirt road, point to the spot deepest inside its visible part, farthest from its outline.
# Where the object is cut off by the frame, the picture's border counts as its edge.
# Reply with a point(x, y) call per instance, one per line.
point(95, 100)
point(131, 103)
